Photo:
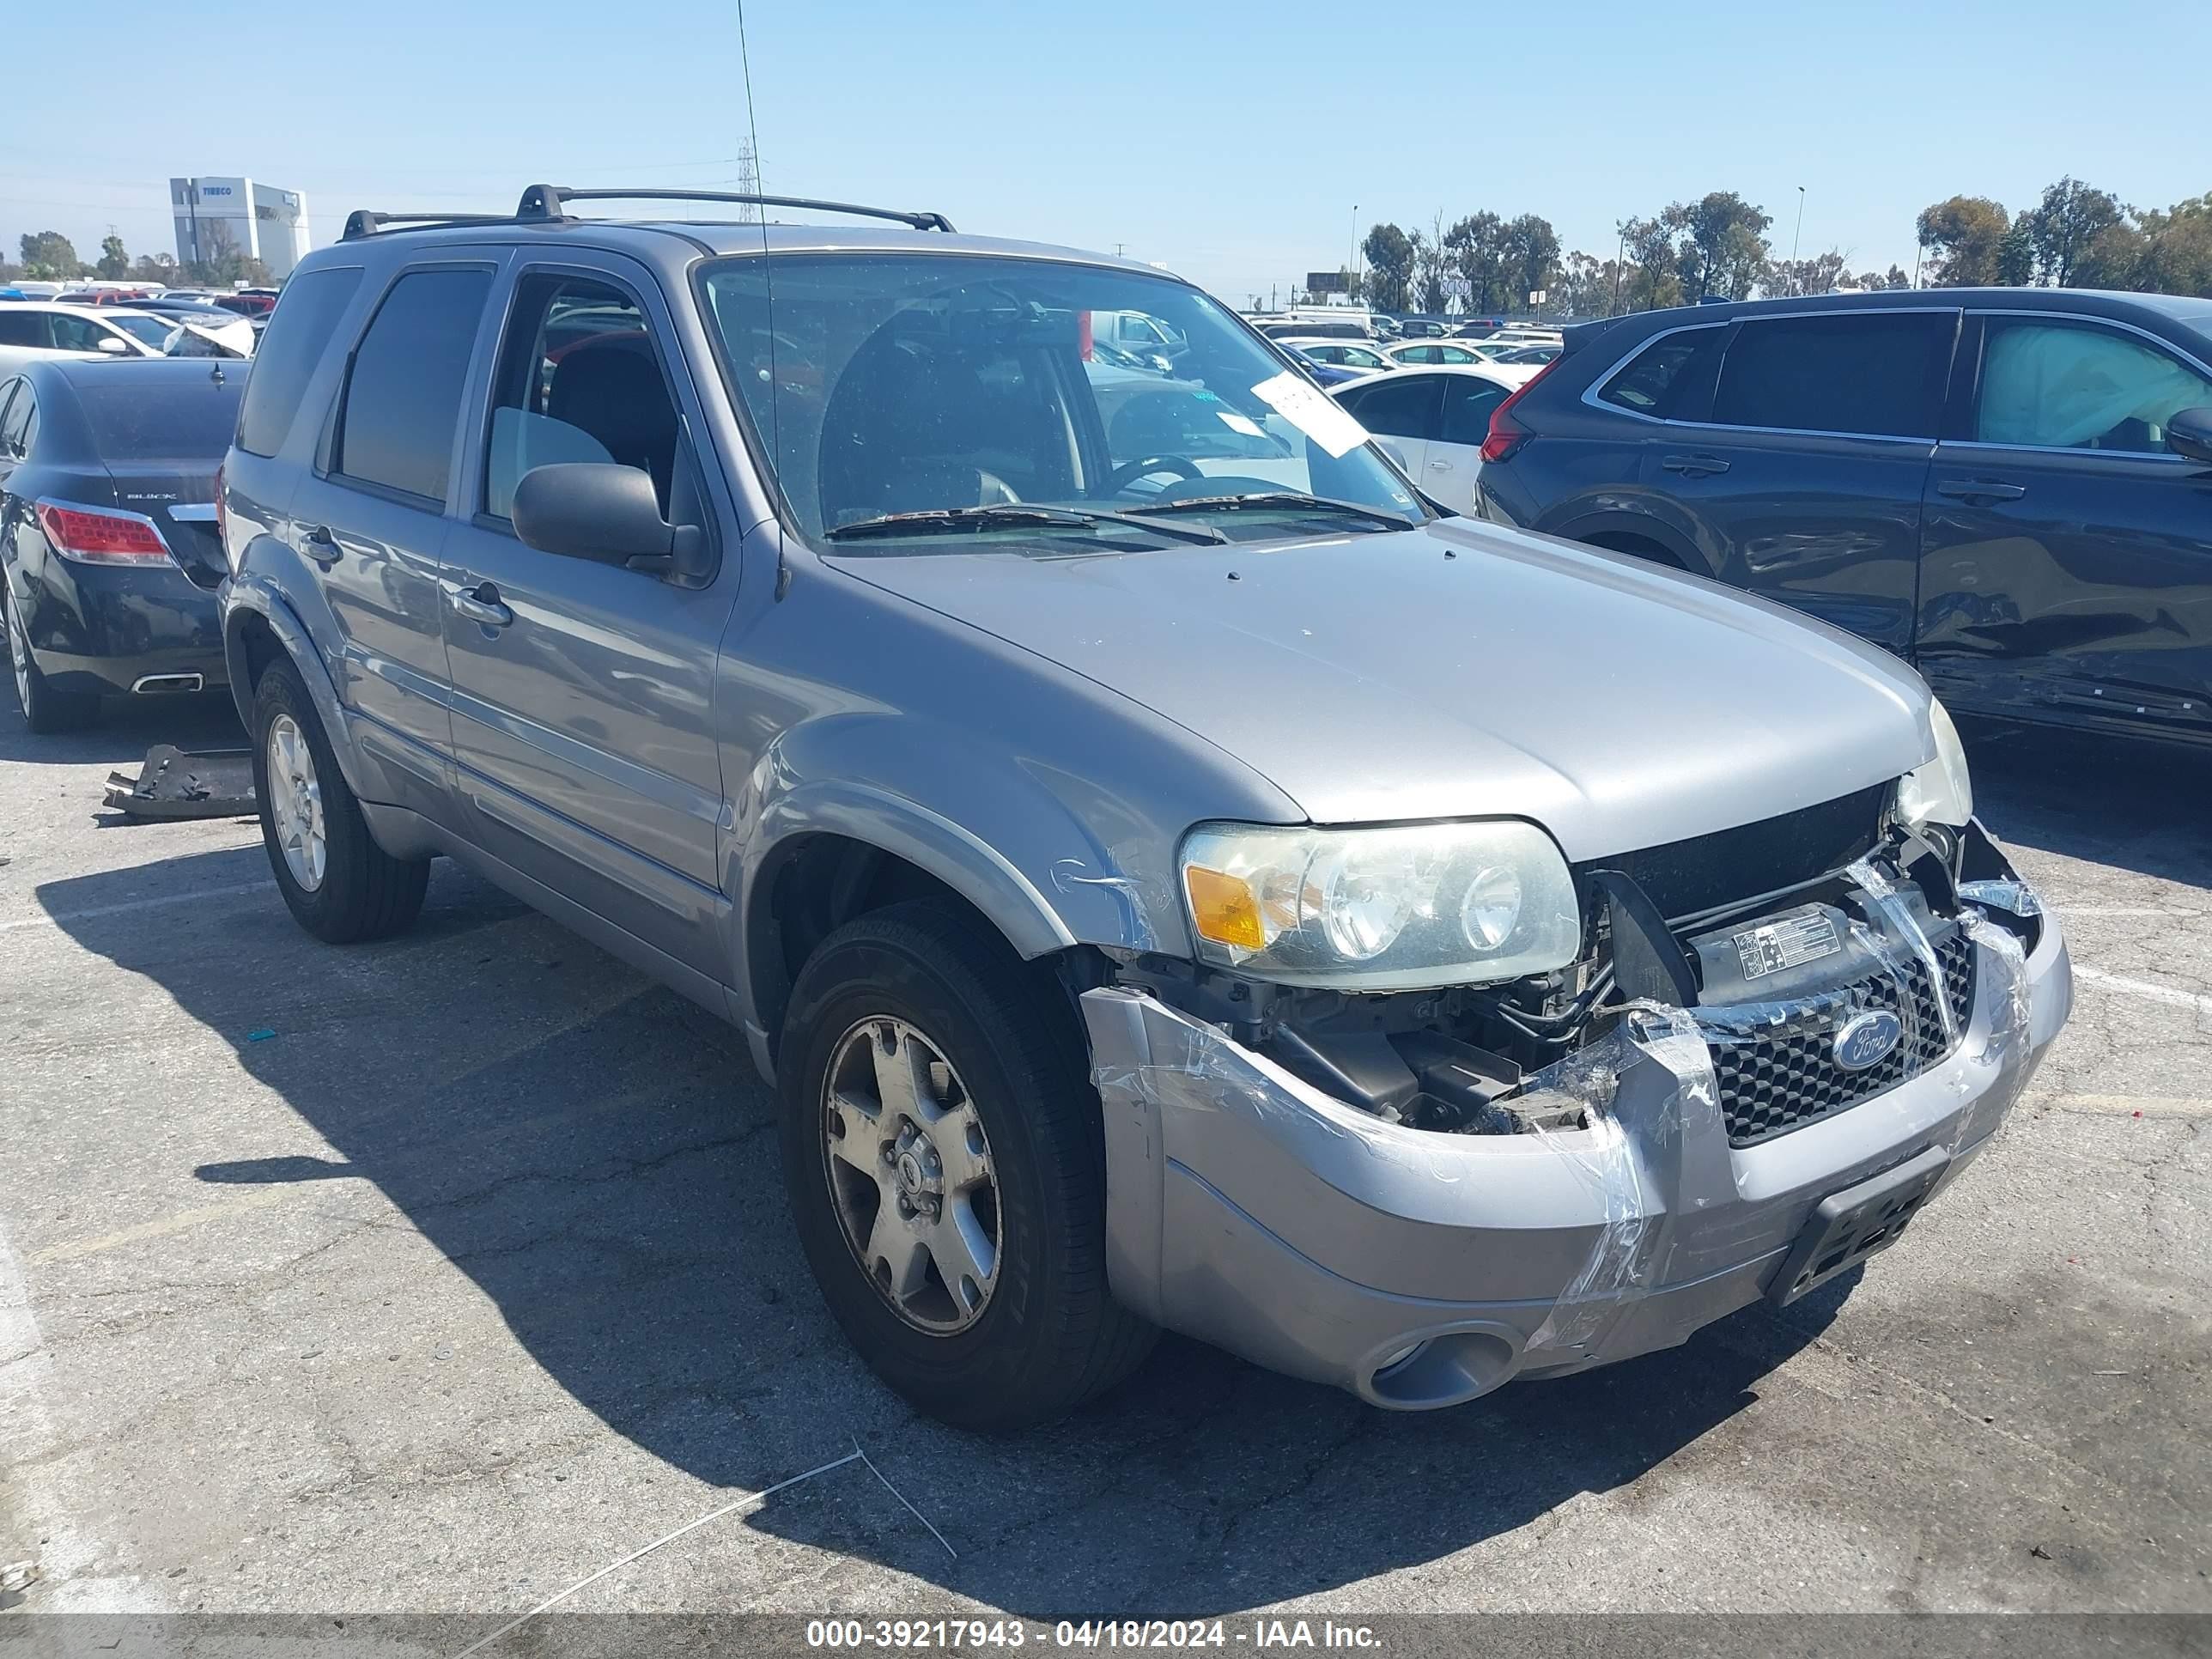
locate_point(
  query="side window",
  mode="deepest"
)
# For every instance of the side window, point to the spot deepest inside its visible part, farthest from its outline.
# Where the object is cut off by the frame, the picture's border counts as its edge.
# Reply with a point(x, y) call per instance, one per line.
point(403, 399)
point(1864, 373)
point(2066, 386)
point(577, 381)
point(293, 344)
point(1662, 377)
point(73, 333)
point(21, 328)
point(1402, 406)
point(1469, 400)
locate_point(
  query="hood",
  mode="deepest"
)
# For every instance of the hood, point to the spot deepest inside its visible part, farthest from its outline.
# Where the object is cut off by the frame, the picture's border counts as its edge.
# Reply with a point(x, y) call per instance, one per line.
point(1461, 671)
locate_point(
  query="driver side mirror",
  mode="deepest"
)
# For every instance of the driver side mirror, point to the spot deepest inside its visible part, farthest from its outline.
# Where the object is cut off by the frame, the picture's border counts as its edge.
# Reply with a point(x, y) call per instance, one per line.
point(606, 512)
point(113, 347)
point(2189, 433)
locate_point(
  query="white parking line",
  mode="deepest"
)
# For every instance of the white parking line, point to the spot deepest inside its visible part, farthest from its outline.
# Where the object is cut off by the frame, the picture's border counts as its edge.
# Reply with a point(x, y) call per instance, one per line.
point(124, 908)
point(2137, 988)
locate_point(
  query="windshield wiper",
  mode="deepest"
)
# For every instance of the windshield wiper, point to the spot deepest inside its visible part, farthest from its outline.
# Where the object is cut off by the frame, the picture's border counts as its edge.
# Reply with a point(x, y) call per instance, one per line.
point(953, 521)
point(1279, 500)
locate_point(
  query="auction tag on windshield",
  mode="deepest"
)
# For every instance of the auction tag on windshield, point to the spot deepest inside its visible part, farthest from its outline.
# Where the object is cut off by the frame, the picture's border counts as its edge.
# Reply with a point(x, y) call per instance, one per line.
point(1801, 937)
point(1313, 411)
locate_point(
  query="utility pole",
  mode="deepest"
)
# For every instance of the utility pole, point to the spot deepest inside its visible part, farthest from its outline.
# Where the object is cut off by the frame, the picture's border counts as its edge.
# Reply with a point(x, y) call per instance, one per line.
point(1800, 231)
point(1619, 259)
point(1353, 267)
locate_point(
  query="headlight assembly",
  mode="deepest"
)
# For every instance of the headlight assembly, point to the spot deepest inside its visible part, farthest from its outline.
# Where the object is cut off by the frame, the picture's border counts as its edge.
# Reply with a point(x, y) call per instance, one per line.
point(1940, 792)
point(1398, 907)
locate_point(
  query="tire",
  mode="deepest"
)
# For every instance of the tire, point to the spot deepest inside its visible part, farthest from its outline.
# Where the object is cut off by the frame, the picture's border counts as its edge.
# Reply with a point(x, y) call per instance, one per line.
point(44, 709)
point(359, 891)
point(1049, 1335)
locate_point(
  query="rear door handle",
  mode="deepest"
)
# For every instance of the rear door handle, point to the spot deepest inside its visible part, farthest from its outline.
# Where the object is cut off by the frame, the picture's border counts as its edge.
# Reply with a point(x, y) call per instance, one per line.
point(321, 546)
point(1694, 466)
point(1980, 489)
point(1439, 466)
point(478, 604)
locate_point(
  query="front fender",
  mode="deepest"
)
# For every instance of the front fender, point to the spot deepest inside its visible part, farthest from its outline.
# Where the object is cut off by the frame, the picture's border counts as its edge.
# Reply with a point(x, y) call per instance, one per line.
point(1052, 857)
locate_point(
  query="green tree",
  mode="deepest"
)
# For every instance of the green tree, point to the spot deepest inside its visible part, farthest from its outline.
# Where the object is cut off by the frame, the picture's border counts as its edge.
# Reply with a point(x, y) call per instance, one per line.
point(48, 256)
point(1476, 249)
point(1963, 236)
point(2177, 256)
point(2016, 253)
point(2065, 224)
point(1531, 254)
point(1651, 266)
point(1794, 279)
point(1389, 253)
point(1720, 243)
point(114, 263)
point(156, 268)
point(1428, 273)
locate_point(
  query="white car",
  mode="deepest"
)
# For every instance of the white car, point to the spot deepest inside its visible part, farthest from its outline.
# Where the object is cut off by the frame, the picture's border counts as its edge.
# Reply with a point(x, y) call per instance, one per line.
point(1339, 354)
point(31, 329)
point(1408, 354)
point(1432, 422)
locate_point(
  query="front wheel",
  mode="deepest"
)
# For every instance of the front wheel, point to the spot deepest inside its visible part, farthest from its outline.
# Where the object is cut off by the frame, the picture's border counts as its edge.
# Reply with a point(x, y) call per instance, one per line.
point(339, 883)
point(946, 1164)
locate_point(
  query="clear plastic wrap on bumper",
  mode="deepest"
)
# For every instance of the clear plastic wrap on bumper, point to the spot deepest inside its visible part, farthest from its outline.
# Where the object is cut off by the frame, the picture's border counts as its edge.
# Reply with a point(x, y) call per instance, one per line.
point(1633, 1195)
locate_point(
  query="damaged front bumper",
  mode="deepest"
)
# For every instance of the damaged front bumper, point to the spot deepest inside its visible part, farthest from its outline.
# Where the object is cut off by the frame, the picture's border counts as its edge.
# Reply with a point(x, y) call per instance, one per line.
point(1419, 1269)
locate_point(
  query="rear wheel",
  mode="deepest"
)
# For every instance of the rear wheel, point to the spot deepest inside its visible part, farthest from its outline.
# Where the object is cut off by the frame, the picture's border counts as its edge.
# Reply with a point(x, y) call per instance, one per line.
point(943, 1151)
point(44, 709)
point(339, 883)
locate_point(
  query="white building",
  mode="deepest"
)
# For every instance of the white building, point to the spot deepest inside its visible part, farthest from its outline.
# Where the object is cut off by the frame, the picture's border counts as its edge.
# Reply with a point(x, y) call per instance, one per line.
point(260, 221)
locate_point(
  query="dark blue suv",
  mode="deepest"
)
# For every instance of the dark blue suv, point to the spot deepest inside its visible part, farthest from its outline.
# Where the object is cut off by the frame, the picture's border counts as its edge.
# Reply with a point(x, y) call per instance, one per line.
point(2010, 487)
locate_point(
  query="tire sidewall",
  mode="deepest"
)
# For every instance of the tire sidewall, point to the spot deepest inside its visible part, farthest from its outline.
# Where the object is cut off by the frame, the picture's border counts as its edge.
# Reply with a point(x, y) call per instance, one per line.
point(846, 984)
point(280, 692)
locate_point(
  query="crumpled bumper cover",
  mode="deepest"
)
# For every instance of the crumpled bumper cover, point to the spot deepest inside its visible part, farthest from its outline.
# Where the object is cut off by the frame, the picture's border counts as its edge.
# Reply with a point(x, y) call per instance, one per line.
point(1254, 1211)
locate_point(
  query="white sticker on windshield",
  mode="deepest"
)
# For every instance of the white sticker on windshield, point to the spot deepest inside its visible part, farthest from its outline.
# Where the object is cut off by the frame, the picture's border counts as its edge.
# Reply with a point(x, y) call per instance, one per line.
point(1243, 423)
point(1313, 411)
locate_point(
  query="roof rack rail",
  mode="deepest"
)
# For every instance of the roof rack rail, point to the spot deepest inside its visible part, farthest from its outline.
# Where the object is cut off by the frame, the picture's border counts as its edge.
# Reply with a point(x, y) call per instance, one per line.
point(361, 222)
point(546, 202)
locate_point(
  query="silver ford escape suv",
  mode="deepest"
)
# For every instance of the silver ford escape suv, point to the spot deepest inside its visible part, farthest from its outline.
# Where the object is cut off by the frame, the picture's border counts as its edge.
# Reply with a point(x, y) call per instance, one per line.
point(1172, 875)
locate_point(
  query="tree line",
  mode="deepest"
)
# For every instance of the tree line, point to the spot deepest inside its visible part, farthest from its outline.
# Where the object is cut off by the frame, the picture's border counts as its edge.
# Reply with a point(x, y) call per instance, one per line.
point(2075, 235)
point(47, 256)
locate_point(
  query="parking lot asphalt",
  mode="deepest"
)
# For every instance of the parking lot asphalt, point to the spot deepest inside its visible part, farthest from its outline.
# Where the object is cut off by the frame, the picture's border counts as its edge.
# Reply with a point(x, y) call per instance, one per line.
point(437, 1274)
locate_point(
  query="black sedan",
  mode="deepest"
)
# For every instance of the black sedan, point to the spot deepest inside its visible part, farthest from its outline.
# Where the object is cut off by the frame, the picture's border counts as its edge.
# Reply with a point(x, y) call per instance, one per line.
point(108, 544)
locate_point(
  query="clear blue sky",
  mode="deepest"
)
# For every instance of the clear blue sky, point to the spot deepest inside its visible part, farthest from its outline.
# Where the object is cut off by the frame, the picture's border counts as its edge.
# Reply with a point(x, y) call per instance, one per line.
point(1228, 142)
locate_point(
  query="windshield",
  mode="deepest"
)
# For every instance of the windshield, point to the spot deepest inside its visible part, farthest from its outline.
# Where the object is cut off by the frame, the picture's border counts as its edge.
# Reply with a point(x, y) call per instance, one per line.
point(147, 330)
point(887, 383)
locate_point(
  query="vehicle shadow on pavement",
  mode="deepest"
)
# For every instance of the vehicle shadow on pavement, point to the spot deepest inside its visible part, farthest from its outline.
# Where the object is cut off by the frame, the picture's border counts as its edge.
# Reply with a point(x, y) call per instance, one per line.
point(125, 731)
point(597, 1157)
point(2129, 803)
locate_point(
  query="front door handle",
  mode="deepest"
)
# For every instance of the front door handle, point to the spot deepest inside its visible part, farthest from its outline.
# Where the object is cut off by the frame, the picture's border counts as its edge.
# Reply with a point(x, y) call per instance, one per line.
point(1980, 489)
point(1439, 466)
point(1694, 466)
point(321, 546)
point(478, 604)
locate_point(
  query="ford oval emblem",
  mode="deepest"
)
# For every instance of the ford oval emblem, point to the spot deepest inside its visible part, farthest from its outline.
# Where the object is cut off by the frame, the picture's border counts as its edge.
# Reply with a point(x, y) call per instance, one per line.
point(1866, 1039)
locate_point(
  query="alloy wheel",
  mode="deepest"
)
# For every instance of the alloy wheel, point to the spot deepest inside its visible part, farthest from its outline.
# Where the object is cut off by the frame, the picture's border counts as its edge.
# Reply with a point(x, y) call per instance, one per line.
point(295, 803)
point(911, 1175)
point(18, 657)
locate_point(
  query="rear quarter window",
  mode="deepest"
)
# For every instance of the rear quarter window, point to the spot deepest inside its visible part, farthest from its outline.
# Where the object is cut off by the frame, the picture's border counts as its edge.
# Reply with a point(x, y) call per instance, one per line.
point(1669, 378)
point(298, 333)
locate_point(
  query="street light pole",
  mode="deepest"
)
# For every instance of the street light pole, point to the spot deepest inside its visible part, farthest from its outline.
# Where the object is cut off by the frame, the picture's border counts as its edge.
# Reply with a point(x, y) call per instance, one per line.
point(1800, 231)
point(1354, 267)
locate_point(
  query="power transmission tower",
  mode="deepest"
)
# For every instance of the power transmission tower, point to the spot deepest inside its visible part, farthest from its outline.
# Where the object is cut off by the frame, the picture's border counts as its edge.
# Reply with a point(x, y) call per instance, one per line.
point(748, 181)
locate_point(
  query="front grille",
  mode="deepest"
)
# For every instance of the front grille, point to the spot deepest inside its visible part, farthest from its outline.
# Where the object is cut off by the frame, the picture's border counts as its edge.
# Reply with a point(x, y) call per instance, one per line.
point(1774, 1080)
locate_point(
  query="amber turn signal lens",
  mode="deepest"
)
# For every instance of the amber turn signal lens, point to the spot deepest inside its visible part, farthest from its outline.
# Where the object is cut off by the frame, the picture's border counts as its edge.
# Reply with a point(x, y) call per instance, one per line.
point(1224, 908)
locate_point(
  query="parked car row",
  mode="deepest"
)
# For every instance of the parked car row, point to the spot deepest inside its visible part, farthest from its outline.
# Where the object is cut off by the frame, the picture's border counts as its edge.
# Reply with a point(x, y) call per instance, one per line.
point(31, 329)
